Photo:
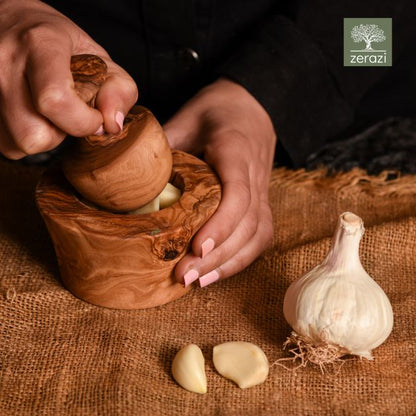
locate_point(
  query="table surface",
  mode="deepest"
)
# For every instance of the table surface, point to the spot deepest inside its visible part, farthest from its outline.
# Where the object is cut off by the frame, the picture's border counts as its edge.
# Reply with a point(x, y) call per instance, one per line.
point(62, 356)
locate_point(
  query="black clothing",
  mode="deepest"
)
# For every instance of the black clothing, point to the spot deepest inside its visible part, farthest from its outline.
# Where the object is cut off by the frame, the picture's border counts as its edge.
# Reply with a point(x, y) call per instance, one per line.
point(288, 54)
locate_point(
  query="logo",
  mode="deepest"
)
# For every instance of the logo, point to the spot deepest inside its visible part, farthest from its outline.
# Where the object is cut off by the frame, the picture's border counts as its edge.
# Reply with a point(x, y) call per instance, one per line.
point(367, 42)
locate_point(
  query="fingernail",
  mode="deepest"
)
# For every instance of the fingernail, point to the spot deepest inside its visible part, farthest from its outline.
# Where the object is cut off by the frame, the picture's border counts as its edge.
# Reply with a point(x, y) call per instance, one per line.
point(209, 278)
point(120, 119)
point(207, 246)
point(190, 277)
point(100, 131)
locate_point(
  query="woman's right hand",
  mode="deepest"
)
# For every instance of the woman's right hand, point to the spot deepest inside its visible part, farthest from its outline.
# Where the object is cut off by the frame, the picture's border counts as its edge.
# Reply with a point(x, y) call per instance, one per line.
point(38, 103)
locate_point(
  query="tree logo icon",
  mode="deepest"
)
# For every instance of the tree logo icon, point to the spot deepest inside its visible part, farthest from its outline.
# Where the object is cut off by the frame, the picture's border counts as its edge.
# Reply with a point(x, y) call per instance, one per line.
point(363, 36)
point(367, 33)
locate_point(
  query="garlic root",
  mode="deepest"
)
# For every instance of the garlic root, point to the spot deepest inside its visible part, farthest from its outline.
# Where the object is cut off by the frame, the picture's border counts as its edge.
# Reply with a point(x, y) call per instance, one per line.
point(337, 308)
point(308, 351)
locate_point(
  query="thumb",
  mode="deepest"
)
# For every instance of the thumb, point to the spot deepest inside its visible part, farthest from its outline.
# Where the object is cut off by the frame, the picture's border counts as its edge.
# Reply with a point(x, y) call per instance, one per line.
point(116, 97)
point(184, 131)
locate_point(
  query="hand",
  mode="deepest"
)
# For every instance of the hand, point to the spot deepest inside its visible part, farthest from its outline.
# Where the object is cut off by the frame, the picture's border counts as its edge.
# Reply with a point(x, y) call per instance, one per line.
point(236, 136)
point(38, 104)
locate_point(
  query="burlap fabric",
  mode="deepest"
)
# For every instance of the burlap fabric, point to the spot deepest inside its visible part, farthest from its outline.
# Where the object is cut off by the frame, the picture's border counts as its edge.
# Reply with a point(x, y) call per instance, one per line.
point(62, 356)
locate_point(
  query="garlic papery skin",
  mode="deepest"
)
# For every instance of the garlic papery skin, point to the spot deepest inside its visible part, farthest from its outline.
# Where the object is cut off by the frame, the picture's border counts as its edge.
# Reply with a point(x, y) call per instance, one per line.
point(337, 303)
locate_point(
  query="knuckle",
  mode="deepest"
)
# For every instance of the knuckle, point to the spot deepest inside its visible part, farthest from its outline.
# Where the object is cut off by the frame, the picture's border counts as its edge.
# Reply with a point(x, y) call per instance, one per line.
point(32, 141)
point(233, 266)
point(38, 34)
point(132, 90)
point(240, 262)
point(250, 224)
point(12, 154)
point(244, 191)
point(127, 91)
point(51, 100)
point(241, 189)
point(222, 272)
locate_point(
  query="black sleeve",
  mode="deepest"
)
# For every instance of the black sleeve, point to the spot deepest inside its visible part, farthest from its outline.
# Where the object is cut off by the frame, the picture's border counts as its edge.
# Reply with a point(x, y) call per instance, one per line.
point(294, 67)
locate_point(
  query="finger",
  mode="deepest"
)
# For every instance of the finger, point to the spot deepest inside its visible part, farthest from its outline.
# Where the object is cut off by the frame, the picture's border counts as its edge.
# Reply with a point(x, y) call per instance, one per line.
point(243, 257)
point(230, 162)
point(25, 131)
point(53, 94)
point(192, 267)
point(7, 145)
point(116, 96)
point(243, 232)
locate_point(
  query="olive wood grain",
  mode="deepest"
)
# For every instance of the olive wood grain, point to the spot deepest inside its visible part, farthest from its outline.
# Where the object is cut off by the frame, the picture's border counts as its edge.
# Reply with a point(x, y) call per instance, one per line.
point(120, 260)
point(119, 172)
point(89, 73)
point(126, 170)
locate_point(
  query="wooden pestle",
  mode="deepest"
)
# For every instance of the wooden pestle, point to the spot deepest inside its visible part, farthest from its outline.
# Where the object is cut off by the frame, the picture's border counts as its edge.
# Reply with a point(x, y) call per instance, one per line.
point(118, 172)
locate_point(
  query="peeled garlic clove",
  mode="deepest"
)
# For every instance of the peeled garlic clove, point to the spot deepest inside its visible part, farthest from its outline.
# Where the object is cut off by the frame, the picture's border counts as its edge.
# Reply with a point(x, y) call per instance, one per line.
point(165, 199)
point(242, 362)
point(337, 304)
point(169, 195)
point(152, 206)
point(188, 369)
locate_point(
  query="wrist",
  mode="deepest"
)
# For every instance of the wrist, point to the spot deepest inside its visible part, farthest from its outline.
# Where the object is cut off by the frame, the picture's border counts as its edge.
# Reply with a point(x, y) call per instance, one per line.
point(249, 111)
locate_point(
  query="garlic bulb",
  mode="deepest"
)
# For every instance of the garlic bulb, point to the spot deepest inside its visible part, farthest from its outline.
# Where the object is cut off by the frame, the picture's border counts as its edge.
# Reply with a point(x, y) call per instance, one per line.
point(337, 304)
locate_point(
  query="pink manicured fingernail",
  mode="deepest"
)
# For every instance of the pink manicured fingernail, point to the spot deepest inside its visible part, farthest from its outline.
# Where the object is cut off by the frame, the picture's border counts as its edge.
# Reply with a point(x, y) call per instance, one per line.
point(100, 131)
point(190, 277)
point(207, 246)
point(120, 119)
point(209, 278)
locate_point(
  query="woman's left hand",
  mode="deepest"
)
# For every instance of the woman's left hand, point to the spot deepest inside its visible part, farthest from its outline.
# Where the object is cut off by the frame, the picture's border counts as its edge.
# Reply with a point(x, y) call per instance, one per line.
point(226, 124)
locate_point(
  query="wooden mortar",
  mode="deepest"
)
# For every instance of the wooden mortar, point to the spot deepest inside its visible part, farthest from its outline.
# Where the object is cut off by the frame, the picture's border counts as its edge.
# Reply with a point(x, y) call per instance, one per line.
point(106, 256)
point(126, 261)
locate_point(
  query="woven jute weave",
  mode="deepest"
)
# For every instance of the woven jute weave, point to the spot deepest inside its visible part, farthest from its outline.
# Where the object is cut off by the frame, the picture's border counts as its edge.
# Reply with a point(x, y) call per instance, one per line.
point(62, 356)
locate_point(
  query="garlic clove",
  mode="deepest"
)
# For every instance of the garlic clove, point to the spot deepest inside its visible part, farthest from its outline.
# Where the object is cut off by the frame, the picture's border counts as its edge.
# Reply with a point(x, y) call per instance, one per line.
point(165, 199)
point(152, 206)
point(337, 304)
point(169, 195)
point(188, 369)
point(242, 362)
